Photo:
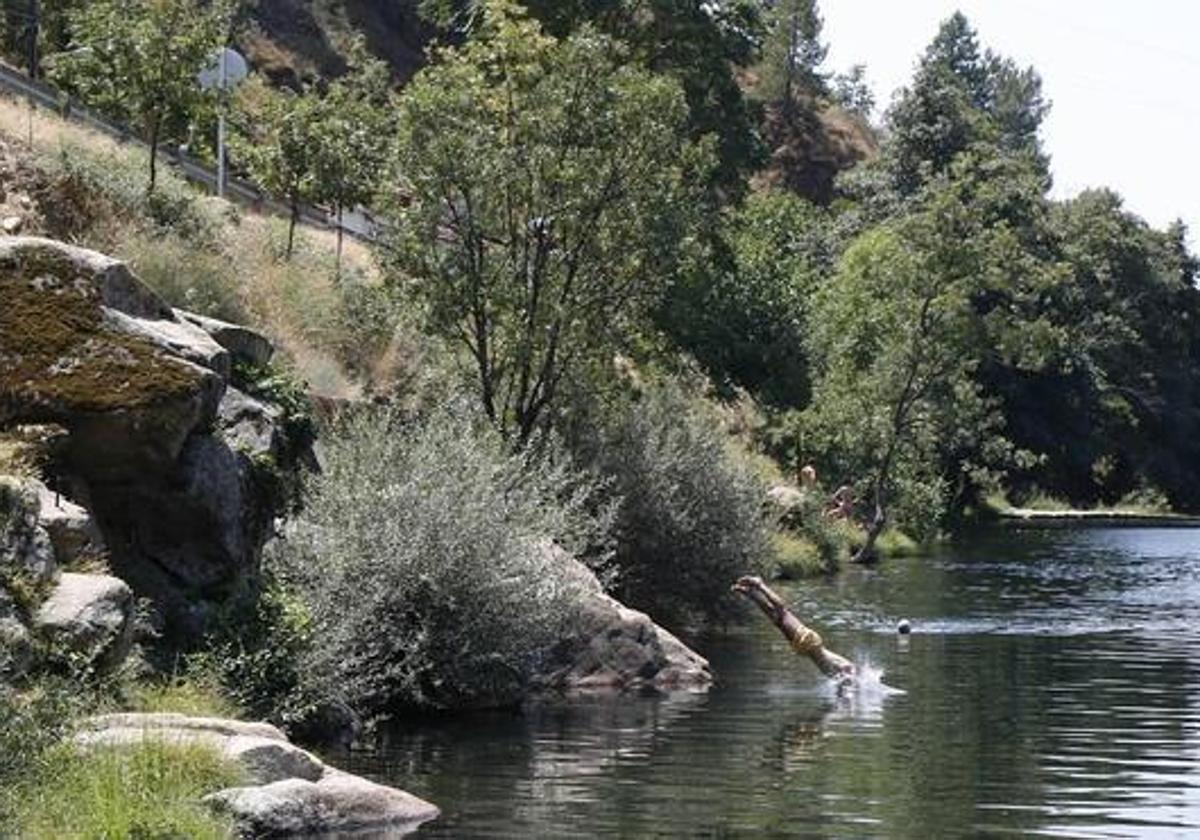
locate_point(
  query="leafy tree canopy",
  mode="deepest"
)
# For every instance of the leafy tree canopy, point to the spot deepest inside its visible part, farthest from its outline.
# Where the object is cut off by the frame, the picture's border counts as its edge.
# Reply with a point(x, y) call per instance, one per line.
point(701, 45)
point(961, 96)
point(137, 60)
point(547, 190)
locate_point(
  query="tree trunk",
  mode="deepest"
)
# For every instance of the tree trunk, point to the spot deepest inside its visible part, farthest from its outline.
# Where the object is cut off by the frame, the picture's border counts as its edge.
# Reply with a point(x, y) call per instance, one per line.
point(154, 130)
point(295, 216)
point(804, 640)
point(866, 554)
point(337, 265)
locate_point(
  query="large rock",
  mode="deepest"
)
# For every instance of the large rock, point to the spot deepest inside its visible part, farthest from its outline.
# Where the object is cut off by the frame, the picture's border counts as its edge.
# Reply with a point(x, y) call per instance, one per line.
point(194, 542)
point(182, 474)
point(90, 616)
point(26, 553)
point(178, 337)
point(338, 804)
point(16, 646)
point(26, 568)
point(611, 646)
point(150, 722)
point(263, 752)
point(244, 344)
point(85, 345)
point(267, 760)
point(70, 528)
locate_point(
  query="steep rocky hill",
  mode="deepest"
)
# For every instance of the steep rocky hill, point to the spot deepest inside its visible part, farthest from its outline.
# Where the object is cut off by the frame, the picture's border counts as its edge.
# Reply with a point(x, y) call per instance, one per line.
point(290, 40)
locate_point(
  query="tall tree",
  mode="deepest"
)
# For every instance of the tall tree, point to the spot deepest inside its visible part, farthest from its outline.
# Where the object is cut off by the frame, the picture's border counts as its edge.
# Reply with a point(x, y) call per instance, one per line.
point(546, 191)
point(961, 96)
point(896, 340)
point(701, 45)
point(283, 131)
point(137, 60)
point(741, 306)
point(792, 52)
point(356, 124)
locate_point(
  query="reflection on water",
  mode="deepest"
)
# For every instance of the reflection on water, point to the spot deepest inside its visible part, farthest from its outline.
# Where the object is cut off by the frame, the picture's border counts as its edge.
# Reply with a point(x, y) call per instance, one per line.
point(1049, 688)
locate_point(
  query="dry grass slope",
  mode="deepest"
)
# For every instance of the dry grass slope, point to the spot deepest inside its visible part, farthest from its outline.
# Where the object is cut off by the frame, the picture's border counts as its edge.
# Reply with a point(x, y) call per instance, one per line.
point(204, 254)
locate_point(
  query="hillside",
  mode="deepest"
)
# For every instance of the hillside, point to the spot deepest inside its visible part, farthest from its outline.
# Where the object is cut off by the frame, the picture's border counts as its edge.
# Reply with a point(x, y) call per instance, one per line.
point(290, 40)
point(293, 40)
point(199, 252)
point(807, 151)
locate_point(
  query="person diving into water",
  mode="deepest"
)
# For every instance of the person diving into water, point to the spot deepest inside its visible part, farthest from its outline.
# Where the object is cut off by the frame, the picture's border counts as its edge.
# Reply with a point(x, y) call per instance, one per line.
point(804, 640)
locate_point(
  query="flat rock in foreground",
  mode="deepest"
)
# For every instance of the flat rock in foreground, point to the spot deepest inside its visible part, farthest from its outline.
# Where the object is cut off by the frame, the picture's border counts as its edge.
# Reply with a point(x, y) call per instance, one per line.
point(293, 792)
point(338, 804)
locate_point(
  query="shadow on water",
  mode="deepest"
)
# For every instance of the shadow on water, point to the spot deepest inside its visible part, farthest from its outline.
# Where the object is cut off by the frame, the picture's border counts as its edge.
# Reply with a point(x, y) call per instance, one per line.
point(1049, 688)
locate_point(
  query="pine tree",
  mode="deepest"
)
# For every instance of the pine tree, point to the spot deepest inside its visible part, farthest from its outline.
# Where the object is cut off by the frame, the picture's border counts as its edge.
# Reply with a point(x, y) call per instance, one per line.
point(792, 52)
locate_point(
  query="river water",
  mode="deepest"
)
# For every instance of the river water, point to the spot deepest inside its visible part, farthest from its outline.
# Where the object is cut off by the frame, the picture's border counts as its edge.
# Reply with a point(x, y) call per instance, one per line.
point(1051, 687)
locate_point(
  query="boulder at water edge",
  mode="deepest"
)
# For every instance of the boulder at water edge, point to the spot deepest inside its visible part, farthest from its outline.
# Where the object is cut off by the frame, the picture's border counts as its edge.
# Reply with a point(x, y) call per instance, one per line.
point(292, 792)
point(610, 646)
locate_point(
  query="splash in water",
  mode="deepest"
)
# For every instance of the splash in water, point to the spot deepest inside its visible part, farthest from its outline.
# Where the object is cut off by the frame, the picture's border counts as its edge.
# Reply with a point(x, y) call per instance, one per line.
point(866, 692)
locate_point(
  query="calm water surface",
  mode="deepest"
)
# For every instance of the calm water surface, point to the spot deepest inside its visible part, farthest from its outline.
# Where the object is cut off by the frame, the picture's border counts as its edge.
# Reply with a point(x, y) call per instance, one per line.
point(1051, 687)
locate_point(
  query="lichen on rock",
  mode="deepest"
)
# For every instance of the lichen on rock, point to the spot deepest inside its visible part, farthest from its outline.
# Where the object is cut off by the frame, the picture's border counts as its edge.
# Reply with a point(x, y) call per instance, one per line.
point(60, 352)
point(169, 474)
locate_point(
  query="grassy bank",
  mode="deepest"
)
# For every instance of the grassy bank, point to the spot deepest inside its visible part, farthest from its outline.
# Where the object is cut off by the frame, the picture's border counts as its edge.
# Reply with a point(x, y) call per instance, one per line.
point(148, 790)
point(1140, 504)
point(51, 789)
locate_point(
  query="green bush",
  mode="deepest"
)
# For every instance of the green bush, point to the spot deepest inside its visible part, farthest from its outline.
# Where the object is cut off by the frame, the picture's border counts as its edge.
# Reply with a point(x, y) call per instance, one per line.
point(195, 694)
point(424, 563)
point(33, 718)
point(690, 518)
point(30, 721)
point(91, 185)
point(1145, 499)
point(894, 543)
point(796, 557)
point(368, 322)
point(806, 520)
point(256, 657)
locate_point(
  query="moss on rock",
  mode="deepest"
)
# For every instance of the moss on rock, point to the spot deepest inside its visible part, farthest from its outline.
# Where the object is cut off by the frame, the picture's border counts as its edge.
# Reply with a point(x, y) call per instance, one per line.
point(59, 352)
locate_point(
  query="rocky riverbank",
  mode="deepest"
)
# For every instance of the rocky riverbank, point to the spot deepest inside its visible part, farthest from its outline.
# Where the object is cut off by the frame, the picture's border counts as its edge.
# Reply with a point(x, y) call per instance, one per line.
point(140, 478)
point(288, 790)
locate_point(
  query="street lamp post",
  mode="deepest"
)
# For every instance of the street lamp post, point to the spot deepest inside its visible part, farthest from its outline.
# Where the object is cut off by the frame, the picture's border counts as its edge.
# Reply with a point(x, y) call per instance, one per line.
point(34, 28)
point(228, 67)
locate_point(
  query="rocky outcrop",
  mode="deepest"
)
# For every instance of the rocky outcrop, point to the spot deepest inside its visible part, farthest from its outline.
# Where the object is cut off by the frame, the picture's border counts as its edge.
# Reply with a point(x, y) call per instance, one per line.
point(177, 467)
point(72, 532)
point(291, 792)
point(84, 345)
point(83, 619)
point(611, 646)
point(243, 344)
point(88, 616)
point(26, 569)
point(16, 646)
point(26, 553)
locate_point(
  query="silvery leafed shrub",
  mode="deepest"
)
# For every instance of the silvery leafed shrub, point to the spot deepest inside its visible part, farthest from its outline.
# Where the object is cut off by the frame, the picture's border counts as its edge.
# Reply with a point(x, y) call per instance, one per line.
point(690, 518)
point(423, 557)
